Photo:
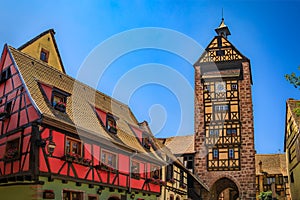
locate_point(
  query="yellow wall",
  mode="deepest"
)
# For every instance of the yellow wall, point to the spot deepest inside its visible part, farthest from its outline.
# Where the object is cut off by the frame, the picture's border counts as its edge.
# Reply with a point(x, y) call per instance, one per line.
point(24, 192)
point(165, 195)
point(292, 135)
point(46, 42)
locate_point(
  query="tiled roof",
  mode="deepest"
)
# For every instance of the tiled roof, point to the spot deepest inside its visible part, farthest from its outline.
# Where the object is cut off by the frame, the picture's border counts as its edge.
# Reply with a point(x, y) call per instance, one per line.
point(292, 103)
point(271, 164)
point(180, 144)
point(80, 112)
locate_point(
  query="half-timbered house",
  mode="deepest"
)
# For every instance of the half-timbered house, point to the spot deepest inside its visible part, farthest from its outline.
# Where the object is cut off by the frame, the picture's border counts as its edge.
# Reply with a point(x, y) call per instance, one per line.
point(61, 139)
point(292, 145)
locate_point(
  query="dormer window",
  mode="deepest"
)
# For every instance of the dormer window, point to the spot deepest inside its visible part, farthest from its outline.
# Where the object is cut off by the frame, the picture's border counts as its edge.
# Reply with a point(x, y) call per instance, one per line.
point(59, 100)
point(6, 74)
point(146, 141)
point(44, 55)
point(111, 124)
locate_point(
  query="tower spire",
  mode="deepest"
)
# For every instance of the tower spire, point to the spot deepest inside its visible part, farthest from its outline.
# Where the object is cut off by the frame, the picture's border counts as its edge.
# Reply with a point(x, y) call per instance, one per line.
point(223, 30)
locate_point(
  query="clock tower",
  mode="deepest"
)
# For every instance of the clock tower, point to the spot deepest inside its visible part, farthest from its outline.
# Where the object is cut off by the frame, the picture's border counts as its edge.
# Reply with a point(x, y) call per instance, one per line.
point(224, 133)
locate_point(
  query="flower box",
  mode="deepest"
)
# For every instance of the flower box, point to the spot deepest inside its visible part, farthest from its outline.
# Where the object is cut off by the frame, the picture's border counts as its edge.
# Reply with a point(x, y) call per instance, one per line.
point(60, 106)
point(155, 181)
point(105, 167)
point(77, 159)
point(136, 176)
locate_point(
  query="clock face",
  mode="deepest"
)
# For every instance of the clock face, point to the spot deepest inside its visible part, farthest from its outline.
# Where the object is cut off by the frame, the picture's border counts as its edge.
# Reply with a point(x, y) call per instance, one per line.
point(220, 87)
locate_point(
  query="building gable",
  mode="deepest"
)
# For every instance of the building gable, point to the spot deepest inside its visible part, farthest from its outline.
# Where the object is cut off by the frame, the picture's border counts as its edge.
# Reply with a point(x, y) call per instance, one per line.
point(43, 47)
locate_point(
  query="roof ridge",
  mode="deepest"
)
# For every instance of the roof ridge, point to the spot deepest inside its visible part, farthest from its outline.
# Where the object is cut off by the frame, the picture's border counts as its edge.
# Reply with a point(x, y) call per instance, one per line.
point(51, 30)
point(68, 76)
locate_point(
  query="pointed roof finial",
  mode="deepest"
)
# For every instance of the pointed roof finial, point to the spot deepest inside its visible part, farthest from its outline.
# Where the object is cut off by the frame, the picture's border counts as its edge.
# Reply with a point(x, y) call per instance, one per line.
point(223, 30)
point(222, 14)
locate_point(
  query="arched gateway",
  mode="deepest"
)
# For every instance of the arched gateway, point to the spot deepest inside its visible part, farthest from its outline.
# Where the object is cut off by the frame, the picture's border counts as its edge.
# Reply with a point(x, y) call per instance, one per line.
point(224, 188)
point(224, 135)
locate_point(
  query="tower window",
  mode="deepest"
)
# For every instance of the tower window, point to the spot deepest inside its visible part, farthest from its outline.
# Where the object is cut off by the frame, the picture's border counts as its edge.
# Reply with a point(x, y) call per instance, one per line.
point(214, 132)
point(220, 52)
point(215, 154)
point(234, 86)
point(206, 88)
point(231, 131)
point(44, 55)
point(221, 108)
point(231, 154)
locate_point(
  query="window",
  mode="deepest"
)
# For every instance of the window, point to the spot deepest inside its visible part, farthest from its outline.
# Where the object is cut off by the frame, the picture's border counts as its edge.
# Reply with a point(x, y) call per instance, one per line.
point(111, 124)
point(109, 159)
point(215, 154)
point(44, 55)
point(206, 88)
point(220, 87)
point(214, 132)
point(6, 74)
point(59, 100)
point(221, 108)
point(298, 148)
point(181, 181)
point(220, 52)
point(73, 147)
point(8, 107)
point(12, 150)
point(234, 86)
point(135, 169)
point(155, 172)
point(231, 131)
point(290, 155)
point(72, 195)
point(146, 141)
point(270, 180)
point(188, 162)
point(169, 172)
point(231, 153)
point(292, 177)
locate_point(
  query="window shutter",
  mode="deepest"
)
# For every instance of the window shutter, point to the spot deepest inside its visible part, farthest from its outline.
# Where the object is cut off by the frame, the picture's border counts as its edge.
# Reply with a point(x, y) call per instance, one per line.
point(298, 148)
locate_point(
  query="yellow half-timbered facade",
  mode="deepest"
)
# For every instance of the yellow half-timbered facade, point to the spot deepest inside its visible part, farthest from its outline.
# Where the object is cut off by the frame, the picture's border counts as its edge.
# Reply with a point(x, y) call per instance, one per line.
point(292, 145)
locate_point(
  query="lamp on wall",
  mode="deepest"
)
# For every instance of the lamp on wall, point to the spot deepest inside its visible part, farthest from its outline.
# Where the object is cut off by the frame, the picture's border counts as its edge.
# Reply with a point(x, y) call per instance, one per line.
point(132, 196)
point(43, 143)
point(99, 191)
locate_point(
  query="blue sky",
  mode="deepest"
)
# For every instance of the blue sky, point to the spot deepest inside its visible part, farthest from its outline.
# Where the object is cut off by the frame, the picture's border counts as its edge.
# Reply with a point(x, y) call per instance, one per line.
point(264, 31)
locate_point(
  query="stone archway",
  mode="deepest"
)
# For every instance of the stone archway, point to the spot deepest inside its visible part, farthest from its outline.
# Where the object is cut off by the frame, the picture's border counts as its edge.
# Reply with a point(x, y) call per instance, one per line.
point(224, 189)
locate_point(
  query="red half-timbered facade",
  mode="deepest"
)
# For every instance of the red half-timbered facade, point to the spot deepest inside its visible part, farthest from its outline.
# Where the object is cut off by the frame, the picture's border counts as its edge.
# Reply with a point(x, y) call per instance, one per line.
point(63, 144)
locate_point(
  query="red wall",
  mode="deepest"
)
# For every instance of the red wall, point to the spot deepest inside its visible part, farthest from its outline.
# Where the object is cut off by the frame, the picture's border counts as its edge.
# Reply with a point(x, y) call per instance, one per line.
point(59, 166)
